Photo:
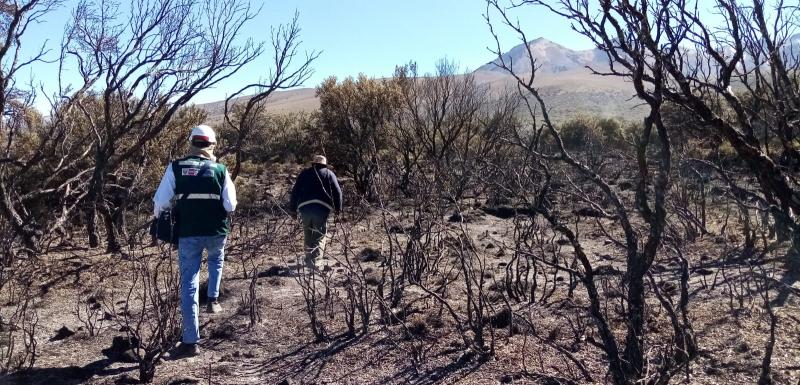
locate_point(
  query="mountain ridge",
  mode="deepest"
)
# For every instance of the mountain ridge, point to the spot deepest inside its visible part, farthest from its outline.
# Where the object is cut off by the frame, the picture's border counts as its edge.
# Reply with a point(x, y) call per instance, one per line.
point(550, 57)
point(562, 75)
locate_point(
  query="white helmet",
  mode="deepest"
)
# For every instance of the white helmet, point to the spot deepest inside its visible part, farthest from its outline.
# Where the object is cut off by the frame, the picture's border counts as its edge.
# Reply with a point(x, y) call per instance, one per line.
point(203, 133)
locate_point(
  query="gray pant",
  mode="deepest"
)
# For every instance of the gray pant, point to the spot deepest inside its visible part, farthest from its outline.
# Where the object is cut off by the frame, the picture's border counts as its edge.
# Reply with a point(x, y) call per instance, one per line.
point(315, 218)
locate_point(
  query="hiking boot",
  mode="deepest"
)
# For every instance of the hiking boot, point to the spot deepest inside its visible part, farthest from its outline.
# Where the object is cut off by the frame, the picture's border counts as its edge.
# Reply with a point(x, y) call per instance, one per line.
point(213, 306)
point(182, 351)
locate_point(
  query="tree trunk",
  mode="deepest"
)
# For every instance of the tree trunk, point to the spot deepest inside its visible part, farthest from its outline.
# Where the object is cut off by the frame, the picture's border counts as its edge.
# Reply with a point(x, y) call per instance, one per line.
point(116, 232)
point(783, 226)
point(26, 232)
point(634, 340)
point(113, 233)
point(237, 167)
point(405, 179)
point(91, 224)
point(793, 256)
point(147, 370)
point(94, 197)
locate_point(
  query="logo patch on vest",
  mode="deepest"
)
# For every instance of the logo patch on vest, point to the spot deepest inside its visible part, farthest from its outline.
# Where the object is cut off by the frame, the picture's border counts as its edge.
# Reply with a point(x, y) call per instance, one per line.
point(190, 171)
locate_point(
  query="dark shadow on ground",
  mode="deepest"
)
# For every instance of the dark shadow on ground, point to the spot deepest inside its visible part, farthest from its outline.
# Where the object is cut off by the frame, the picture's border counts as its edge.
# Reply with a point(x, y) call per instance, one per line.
point(307, 360)
point(76, 272)
point(786, 289)
point(70, 375)
point(465, 365)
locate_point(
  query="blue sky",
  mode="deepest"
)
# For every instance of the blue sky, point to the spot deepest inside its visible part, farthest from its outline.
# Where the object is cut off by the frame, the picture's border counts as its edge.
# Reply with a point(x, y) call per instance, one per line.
point(357, 36)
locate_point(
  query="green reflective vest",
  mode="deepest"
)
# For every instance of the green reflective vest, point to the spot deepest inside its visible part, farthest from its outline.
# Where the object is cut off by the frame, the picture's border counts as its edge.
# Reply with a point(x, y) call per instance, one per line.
point(198, 194)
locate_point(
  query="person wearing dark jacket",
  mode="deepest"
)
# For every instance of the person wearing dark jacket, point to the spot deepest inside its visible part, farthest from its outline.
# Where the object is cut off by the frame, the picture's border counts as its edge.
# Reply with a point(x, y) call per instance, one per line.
point(315, 194)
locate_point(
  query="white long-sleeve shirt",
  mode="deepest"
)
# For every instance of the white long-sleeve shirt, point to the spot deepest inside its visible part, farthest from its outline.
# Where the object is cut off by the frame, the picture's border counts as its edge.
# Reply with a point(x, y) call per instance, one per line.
point(166, 191)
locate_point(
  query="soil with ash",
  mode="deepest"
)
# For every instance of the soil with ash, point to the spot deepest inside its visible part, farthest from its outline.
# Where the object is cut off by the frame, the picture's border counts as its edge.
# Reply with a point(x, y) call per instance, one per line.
point(731, 334)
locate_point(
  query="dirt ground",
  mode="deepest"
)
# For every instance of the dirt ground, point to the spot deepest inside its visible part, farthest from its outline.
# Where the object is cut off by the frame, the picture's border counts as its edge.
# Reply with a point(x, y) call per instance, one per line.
point(731, 335)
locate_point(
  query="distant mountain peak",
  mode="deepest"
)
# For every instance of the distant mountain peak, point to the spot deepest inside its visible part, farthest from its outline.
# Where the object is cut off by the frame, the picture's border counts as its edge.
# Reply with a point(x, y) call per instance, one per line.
point(543, 41)
point(550, 57)
point(539, 40)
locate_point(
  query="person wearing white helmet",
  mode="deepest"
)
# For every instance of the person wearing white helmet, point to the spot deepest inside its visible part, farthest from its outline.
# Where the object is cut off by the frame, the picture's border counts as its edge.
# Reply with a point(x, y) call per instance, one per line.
point(204, 195)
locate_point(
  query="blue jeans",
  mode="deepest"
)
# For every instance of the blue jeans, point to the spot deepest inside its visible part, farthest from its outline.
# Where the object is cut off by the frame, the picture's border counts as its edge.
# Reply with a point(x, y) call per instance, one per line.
point(190, 256)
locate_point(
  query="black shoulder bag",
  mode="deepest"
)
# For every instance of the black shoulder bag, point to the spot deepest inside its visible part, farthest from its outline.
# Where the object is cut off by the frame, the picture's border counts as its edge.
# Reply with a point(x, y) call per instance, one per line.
point(165, 227)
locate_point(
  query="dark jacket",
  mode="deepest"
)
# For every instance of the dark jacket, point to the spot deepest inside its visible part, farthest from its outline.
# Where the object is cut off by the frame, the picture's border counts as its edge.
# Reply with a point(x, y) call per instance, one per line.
point(316, 185)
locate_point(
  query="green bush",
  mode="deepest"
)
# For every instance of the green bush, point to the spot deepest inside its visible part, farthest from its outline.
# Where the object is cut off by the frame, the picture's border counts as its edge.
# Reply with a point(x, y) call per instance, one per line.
point(281, 138)
point(583, 132)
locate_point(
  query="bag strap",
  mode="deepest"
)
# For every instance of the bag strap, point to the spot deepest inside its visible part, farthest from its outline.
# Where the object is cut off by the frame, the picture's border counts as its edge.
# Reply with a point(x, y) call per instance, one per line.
point(329, 191)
